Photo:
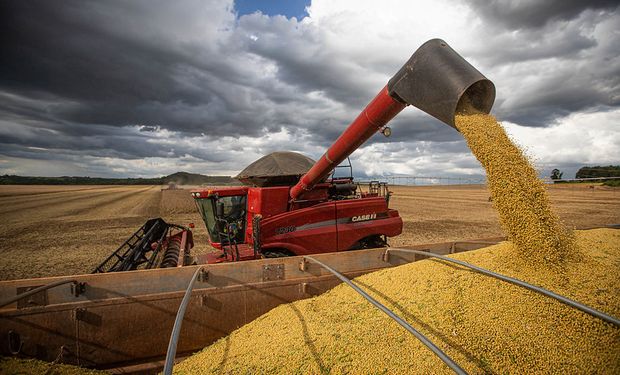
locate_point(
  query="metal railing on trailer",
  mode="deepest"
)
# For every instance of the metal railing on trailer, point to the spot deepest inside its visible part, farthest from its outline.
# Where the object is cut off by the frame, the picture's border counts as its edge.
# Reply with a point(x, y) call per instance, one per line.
point(428, 343)
point(77, 288)
point(34, 311)
point(178, 321)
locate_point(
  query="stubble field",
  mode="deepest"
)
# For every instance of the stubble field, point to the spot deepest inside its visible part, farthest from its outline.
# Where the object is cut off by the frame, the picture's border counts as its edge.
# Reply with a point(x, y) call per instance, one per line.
point(63, 230)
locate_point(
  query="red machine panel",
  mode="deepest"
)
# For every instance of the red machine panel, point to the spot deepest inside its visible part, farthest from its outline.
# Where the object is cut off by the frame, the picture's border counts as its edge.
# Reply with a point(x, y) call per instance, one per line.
point(361, 218)
point(268, 201)
point(304, 231)
point(220, 191)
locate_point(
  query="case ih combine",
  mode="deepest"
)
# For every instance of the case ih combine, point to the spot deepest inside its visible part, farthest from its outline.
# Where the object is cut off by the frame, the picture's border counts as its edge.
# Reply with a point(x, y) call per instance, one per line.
point(262, 220)
point(120, 320)
point(294, 212)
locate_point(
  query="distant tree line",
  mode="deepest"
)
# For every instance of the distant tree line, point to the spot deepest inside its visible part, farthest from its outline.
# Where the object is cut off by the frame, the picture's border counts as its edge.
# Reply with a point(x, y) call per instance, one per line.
point(73, 180)
point(593, 172)
point(179, 178)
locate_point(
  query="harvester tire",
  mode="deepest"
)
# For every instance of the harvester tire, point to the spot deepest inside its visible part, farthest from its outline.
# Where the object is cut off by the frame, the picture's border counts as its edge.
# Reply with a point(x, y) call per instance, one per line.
point(277, 253)
point(370, 242)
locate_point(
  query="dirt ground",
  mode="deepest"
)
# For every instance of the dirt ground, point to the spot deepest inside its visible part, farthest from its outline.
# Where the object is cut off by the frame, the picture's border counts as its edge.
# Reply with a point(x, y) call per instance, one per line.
point(54, 230)
point(456, 212)
point(62, 230)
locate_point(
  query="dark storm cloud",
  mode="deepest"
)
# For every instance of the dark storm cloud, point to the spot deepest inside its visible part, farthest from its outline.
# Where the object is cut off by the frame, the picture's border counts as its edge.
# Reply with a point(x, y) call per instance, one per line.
point(106, 145)
point(138, 79)
point(568, 66)
point(514, 14)
point(550, 59)
point(65, 51)
point(105, 65)
point(304, 65)
point(413, 125)
point(111, 142)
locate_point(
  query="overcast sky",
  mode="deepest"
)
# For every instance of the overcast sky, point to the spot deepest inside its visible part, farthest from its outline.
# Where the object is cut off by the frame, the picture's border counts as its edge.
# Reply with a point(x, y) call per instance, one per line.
point(148, 88)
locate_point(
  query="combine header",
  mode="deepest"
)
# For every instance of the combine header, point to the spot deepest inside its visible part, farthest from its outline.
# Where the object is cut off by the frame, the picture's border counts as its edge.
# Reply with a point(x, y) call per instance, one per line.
point(151, 246)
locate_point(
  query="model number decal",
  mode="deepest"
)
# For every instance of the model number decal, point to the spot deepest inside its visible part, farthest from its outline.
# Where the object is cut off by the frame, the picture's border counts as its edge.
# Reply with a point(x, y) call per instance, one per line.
point(283, 230)
point(364, 217)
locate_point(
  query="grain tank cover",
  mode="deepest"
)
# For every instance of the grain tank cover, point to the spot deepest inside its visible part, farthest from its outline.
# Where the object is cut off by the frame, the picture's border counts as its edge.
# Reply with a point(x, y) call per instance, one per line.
point(282, 168)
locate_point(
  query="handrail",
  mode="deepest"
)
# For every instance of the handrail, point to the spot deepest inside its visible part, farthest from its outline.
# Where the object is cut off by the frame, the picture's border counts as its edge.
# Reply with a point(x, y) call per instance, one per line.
point(178, 321)
point(587, 309)
point(443, 356)
point(35, 291)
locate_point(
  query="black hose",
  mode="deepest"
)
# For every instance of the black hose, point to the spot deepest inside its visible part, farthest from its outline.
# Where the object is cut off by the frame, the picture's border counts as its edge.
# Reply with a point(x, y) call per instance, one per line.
point(35, 291)
point(587, 309)
point(176, 330)
point(443, 356)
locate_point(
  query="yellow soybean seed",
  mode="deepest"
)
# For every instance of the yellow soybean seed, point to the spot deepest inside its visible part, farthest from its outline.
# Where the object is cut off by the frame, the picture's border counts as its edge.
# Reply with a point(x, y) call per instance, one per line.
point(485, 325)
point(517, 193)
point(17, 366)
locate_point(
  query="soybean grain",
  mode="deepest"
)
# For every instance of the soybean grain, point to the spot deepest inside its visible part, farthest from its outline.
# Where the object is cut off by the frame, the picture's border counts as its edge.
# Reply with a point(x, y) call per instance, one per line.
point(485, 325)
point(18, 366)
point(518, 195)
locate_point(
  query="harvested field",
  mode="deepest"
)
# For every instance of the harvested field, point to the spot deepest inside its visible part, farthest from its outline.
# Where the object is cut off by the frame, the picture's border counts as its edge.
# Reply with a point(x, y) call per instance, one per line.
point(457, 212)
point(62, 230)
point(48, 231)
point(176, 201)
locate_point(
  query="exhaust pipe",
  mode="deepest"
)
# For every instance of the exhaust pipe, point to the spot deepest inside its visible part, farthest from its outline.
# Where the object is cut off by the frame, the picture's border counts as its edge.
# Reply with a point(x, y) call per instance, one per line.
point(435, 79)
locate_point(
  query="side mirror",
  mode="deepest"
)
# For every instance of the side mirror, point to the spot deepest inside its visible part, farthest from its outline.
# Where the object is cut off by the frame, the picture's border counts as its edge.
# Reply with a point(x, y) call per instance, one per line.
point(219, 209)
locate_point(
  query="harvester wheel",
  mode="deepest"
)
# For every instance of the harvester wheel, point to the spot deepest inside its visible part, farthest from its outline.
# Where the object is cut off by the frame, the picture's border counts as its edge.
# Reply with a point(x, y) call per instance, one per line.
point(370, 242)
point(277, 253)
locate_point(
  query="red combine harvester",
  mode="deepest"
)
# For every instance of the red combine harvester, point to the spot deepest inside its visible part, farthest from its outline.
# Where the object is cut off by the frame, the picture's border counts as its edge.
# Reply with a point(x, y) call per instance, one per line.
point(296, 211)
point(251, 222)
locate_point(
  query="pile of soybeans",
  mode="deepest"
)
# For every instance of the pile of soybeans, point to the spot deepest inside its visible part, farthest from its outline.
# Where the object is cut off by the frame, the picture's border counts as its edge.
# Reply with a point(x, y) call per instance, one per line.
point(484, 324)
point(16, 366)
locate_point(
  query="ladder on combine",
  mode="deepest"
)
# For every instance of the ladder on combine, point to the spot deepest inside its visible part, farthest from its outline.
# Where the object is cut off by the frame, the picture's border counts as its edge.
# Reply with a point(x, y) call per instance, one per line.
point(380, 189)
point(138, 251)
point(227, 239)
